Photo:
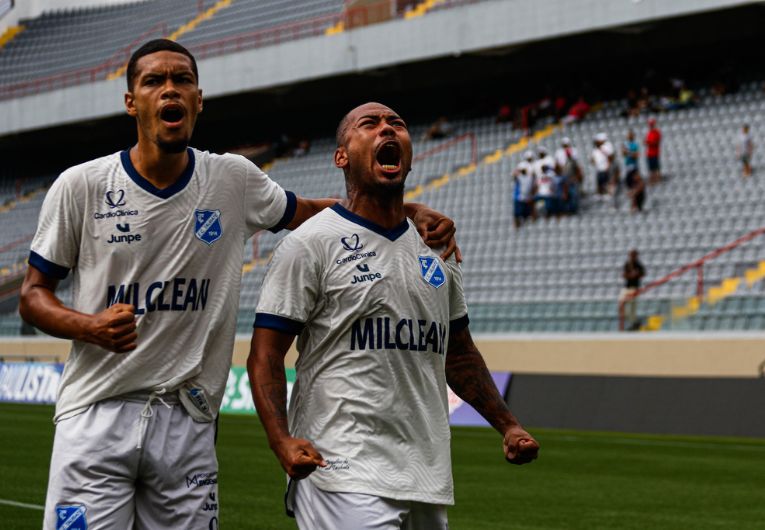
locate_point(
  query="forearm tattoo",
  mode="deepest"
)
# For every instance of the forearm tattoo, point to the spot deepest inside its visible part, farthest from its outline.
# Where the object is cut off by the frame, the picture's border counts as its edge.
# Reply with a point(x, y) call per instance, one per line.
point(276, 397)
point(468, 377)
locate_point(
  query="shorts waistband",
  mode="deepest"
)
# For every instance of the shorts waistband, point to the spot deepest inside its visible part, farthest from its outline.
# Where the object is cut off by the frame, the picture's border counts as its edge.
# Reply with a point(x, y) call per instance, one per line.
point(142, 396)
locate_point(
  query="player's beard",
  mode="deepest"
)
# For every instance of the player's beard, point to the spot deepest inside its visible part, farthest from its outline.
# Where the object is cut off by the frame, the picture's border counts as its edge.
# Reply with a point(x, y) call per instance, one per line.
point(178, 146)
point(386, 191)
point(390, 190)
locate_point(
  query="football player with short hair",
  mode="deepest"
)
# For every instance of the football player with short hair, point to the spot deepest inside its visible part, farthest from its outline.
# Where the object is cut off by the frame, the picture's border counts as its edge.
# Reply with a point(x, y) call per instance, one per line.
point(382, 327)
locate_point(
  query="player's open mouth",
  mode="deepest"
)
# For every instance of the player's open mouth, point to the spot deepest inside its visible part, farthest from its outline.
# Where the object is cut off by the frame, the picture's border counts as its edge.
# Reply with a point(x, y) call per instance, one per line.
point(172, 115)
point(389, 157)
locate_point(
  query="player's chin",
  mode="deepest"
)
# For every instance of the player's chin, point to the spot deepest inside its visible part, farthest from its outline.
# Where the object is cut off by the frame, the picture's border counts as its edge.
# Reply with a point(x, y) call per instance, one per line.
point(173, 146)
point(389, 181)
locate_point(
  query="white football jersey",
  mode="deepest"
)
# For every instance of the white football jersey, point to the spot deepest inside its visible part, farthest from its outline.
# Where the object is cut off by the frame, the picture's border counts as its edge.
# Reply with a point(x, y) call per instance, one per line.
point(373, 309)
point(175, 254)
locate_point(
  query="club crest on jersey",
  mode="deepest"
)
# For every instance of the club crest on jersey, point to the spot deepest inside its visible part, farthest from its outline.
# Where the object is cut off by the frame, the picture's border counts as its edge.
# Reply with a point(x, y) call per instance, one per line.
point(352, 243)
point(71, 517)
point(207, 226)
point(431, 271)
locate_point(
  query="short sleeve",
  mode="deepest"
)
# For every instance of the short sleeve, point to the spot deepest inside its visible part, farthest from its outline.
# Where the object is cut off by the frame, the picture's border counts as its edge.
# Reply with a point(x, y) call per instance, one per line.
point(291, 287)
point(458, 313)
point(267, 205)
point(56, 244)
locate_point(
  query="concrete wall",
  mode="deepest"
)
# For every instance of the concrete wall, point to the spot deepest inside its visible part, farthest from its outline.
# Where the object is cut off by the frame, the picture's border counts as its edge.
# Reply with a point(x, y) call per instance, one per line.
point(468, 29)
point(668, 405)
point(721, 355)
point(663, 383)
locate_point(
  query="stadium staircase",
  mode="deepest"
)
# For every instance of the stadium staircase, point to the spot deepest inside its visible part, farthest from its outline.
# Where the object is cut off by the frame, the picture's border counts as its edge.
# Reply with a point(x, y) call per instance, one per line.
point(182, 30)
point(9, 34)
point(705, 303)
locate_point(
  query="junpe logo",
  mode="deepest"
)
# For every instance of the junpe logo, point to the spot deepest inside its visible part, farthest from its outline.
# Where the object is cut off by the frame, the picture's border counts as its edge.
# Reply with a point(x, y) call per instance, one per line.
point(351, 243)
point(367, 276)
point(115, 199)
point(129, 238)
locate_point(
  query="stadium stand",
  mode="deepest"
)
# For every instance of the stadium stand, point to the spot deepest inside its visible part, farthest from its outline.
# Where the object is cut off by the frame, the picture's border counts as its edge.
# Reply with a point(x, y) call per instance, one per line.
point(249, 17)
point(565, 275)
point(98, 39)
point(62, 41)
point(558, 275)
point(80, 45)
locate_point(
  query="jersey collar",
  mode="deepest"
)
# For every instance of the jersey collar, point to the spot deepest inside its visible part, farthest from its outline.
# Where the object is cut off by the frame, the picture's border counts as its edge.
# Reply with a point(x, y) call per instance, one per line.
point(165, 193)
point(392, 234)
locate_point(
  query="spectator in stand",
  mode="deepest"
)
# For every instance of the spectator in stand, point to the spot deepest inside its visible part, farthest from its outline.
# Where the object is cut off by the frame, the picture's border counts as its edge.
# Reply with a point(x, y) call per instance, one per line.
point(633, 273)
point(614, 181)
point(652, 152)
point(578, 111)
point(524, 191)
point(567, 166)
point(441, 128)
point(545, 107)
point(632, 179)
point(645, 104)
point(744, 149)
point(544, 159)
point(560, 107)
point(602, 163)
point(303, 148)
point(505, 113)
point(686, 98)
point(632, 104)
point(526, 118)
point(549, 191)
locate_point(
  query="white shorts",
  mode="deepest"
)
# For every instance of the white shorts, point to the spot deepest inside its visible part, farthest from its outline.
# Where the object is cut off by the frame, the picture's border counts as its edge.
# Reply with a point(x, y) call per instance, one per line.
point(316, 509)
point(108, 471)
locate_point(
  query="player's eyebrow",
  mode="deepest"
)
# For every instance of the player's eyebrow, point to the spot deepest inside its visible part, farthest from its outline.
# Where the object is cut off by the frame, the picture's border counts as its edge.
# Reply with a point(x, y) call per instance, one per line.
point(377, 117)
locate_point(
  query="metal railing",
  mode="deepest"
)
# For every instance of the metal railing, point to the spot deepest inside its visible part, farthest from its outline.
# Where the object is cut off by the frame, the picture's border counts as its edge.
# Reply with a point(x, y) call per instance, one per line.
point(81, 75)
point(471, 137)
point(697, 266)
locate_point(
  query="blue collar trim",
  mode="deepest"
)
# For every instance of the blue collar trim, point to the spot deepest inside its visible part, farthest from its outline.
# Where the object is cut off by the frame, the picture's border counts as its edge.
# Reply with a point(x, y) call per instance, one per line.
point(392, 234)
point(165, 193)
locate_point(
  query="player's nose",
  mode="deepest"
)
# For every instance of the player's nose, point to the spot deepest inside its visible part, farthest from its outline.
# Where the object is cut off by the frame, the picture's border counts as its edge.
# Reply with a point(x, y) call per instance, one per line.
point(169, 90)
point(386, 129)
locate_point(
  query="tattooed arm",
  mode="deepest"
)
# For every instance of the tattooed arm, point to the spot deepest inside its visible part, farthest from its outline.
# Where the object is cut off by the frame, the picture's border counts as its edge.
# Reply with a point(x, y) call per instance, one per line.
point(265, 367)
point(467, 375)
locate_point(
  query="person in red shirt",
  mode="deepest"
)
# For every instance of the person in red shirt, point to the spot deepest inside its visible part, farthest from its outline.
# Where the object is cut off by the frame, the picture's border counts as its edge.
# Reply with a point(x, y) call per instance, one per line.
point(652, 143)
point(578, 111)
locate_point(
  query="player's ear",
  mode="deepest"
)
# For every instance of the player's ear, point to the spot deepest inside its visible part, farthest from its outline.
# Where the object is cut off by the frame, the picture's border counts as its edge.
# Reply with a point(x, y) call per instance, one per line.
point(199, 102)
point(341, 157)
point(130, 104)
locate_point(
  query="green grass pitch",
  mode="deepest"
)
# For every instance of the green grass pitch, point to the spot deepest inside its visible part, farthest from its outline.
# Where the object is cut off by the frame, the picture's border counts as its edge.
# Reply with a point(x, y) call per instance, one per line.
point(582, 479)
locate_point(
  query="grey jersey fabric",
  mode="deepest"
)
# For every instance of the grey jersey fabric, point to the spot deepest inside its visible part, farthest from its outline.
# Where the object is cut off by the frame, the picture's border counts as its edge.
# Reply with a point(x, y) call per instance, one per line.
point(175, 254)
point(373, 308)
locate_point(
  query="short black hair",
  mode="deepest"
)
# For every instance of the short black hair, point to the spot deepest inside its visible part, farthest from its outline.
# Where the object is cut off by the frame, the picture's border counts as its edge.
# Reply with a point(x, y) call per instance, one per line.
point(342, 129)
point(154, 46)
